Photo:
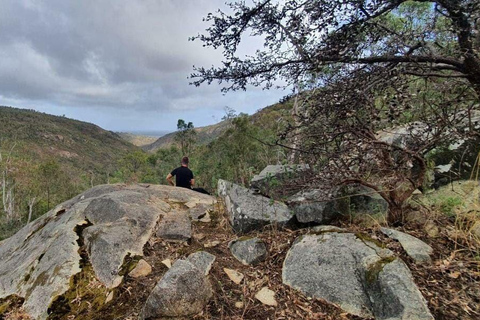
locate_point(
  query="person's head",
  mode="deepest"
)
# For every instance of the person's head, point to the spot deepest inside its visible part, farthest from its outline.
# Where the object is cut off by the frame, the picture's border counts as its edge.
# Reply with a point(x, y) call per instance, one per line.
point(185, 161)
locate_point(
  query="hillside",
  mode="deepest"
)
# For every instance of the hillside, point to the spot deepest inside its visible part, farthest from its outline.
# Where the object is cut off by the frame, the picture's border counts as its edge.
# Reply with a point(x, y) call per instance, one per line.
point(204, 136)
point(137, 139)
point(79, 144)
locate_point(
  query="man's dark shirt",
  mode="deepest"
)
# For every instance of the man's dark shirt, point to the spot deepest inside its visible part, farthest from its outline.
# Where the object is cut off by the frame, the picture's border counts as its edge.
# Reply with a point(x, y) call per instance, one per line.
point(183, 175)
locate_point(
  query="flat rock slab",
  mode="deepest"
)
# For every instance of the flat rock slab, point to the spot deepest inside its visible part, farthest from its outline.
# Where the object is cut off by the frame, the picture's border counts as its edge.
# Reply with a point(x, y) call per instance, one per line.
point(248, 251)
point(415, 248)
point(248, 211)
point(183, 291)
point(355, 274)
point(113, 221)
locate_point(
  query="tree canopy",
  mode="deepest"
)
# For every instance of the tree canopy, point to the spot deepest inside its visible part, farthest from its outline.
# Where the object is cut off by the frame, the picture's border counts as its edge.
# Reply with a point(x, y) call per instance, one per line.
point(309, 40)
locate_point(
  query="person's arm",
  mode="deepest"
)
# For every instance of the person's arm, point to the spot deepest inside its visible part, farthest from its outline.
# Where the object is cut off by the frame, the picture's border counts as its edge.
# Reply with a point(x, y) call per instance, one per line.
point(192, 182)
point(169, 179)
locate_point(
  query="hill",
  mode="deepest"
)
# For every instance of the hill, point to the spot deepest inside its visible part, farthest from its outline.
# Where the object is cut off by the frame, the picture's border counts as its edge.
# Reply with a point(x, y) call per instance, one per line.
point(78, 144)
point(137, 139)
point(204, 135)
point(46, 159)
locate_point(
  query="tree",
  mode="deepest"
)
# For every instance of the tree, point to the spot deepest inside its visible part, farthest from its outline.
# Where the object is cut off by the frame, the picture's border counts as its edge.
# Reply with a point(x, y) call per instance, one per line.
point(185, 135)
point(305, 40)
point(408, 68)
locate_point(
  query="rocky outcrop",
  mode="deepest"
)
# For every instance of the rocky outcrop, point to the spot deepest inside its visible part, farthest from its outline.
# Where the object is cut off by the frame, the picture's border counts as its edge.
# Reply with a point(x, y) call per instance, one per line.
point(272, 175)
point(356, 274)
point(248, 211)
point(415, 248)
point(111, 222)
point(312, 206)
point(183, 291)
point(248, 251)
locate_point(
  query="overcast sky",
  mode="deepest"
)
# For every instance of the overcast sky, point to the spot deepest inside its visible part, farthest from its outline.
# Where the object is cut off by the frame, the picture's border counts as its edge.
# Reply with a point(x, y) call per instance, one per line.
point(121, 64)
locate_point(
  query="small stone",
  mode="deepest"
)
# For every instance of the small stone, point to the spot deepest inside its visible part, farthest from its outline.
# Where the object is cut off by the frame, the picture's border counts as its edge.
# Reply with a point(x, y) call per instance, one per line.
point(267, 297)
point(212, 244)
point(234, 275)
point(167, 263)
point(206, 218)
point(248, 251)
point(199, 236)
point(109, 297)
point(239, 305)
point(142, 269)
point(431, 229)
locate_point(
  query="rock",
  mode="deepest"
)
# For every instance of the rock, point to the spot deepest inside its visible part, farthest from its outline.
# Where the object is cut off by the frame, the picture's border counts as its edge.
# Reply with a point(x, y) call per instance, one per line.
point(248, 250)
point(312, 207)
point(321, 229)
point(109, 297)
point(234, 275)
point(109, 222)
point(365, 200)
point(355, 274)
point(202, 260)
point(267, 297)
point(175, 226)
point(183, 291)
point(167, 263)
point(141, 269)
point(247, 211)
point(431, 229)
point(272, 175)
point(211, 244)
point(199, 211)
point(239, 305)
point(415, 248)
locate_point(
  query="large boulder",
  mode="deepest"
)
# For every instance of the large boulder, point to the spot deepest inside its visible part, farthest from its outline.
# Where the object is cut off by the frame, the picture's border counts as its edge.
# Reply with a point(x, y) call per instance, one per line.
point(272, 176)
point(355, 273)
point(248, 211)
point(314, 206)
point(110, 223)
point(183, 291)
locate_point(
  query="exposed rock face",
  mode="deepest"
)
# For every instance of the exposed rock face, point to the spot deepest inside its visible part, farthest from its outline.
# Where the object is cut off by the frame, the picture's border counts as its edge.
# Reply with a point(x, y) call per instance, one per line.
point(311, 207)
point(247, 211)
point(272, 174)
point(415, 248)
point(113, 221)
point(248, 251)
point(362, 278)
point(183, 291)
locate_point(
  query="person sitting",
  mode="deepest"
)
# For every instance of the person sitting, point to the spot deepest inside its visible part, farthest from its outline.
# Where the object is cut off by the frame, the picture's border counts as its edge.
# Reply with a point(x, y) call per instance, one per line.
point(183, 175)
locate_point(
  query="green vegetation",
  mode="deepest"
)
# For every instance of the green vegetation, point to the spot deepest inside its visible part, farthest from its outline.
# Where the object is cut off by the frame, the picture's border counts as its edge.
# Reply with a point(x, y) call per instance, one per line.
point(45, 160)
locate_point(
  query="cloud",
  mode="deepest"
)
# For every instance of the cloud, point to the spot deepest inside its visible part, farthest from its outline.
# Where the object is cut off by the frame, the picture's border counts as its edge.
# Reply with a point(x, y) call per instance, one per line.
point(103, 54)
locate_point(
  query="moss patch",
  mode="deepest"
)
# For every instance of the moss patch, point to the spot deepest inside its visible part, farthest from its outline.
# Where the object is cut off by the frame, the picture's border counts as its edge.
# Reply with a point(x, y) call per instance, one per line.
point(371, 275)
point(365, 237)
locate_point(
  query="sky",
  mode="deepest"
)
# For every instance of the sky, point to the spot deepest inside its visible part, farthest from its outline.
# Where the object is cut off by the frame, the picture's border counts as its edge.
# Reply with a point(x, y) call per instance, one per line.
point(120, 64)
